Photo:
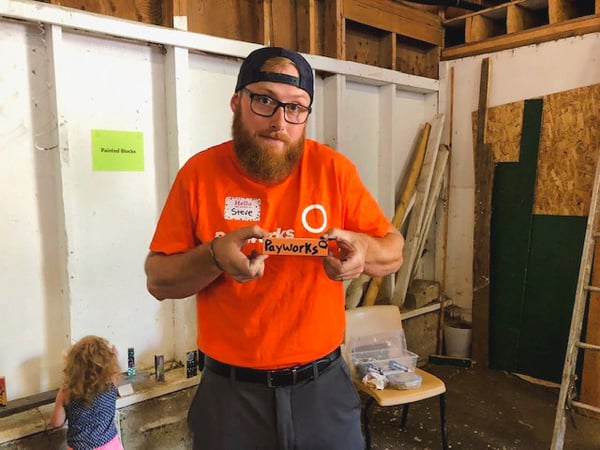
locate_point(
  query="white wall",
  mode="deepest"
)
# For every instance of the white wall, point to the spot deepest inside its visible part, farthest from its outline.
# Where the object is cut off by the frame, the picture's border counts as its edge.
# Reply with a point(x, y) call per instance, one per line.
point(515, 75)
point(30, 215)
point(73, 239)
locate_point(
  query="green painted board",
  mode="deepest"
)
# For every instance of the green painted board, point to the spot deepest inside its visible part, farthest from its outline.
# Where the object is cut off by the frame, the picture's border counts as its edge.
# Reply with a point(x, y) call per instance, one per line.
point(512, 206)
point(556, 248)
point(509, 255)
point(534, 266)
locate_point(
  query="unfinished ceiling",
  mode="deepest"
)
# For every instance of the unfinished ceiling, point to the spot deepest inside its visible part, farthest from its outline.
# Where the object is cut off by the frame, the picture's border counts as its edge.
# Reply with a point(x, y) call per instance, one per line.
point(408, 36)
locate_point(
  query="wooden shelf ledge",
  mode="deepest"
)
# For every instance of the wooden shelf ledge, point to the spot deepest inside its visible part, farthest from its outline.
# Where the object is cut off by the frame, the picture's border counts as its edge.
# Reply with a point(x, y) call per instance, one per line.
point(511, 18)
point(574, 27)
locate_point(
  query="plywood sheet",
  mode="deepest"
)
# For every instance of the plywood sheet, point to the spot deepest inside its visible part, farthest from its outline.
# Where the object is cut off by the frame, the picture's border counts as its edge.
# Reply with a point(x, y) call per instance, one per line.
point(568, 152)
point(569, 147)
point(503, 130)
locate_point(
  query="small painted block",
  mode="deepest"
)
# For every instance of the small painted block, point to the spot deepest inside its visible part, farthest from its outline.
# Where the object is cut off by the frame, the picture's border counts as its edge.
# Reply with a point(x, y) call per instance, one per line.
point(3, 399)
point(295, 247)
point(159, 367)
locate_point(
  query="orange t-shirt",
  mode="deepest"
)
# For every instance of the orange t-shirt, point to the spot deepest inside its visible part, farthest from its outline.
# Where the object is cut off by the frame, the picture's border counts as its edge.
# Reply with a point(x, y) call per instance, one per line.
point(294, 313)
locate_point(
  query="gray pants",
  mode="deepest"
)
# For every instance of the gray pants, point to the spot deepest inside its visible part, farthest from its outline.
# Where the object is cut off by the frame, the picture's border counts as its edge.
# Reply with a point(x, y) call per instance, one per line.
point(323, 414)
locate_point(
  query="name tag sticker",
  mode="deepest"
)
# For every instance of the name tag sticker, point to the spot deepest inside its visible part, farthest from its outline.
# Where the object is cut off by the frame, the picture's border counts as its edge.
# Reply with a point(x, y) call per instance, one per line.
point(295, 247)
point(240, 208)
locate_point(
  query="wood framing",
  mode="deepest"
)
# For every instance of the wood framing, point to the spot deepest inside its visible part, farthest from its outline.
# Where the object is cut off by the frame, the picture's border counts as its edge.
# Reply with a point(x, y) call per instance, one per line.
point(518, 23)
point(575, 27)
point(396, 18)
point(382, 33)
point(519, 18)
point(309, 27)
point(335, 30)
point(146, 11)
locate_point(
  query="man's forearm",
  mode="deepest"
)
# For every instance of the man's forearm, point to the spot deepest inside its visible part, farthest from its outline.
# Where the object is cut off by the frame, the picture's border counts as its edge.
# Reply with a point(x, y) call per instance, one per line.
point(181, 274)
point(384, 255)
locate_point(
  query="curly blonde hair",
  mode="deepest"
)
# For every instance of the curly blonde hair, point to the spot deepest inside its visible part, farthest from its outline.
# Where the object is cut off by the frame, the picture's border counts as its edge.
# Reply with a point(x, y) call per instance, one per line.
point(91, 366)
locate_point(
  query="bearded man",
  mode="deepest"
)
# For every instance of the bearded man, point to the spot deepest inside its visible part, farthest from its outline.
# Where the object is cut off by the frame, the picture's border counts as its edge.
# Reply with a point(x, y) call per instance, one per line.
point(270, 330)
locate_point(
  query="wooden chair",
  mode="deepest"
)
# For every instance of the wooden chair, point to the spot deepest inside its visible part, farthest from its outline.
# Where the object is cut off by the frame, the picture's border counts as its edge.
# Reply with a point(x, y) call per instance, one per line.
point(367, 320)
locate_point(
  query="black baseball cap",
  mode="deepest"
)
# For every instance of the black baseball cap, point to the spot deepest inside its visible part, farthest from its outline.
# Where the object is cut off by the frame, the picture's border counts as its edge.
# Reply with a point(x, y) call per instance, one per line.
point(250, 70)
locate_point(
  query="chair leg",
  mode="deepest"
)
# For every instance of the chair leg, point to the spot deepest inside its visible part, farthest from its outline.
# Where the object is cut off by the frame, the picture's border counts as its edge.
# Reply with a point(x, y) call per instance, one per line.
point(365, 414)
point(443, 420)
point(404, 416)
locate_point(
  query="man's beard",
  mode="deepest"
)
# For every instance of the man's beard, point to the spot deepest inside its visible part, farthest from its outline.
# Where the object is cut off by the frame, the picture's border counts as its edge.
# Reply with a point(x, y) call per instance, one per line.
point(260, 161)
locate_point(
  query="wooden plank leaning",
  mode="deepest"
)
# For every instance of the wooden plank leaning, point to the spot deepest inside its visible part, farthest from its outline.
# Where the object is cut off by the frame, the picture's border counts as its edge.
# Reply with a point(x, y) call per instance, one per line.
point(432, 201)
point(416, 220)
point(484, 175)
point(357, 287)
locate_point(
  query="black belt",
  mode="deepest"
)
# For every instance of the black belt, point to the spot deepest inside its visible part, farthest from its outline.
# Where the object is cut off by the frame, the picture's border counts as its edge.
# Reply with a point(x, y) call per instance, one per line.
point(277, 377)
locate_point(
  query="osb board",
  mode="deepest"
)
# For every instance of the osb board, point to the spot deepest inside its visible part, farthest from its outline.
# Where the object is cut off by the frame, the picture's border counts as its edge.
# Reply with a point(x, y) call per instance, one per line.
point(569, 146)
point(503, 130)
point(568, 152)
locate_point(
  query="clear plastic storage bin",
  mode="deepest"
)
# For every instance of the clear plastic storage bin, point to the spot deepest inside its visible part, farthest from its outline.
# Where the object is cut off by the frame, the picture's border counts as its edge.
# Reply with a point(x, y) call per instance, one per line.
point(385, 354)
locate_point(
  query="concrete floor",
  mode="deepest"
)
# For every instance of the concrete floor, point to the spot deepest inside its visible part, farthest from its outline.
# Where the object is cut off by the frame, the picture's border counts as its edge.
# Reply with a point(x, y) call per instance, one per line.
point(485, 409)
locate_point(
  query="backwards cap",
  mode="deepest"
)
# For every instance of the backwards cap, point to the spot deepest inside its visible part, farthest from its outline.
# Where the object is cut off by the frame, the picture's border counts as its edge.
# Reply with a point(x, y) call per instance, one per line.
point(250, 70)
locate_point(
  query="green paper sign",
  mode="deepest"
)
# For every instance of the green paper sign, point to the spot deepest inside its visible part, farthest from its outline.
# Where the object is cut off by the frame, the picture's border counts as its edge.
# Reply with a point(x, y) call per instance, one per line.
point(117, 150)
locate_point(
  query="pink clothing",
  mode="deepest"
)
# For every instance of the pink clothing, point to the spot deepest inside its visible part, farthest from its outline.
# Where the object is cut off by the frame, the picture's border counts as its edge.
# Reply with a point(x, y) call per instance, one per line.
point(114, 444)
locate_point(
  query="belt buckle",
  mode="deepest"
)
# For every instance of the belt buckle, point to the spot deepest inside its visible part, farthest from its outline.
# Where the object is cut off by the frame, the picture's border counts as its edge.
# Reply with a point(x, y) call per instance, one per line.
point(293, 371)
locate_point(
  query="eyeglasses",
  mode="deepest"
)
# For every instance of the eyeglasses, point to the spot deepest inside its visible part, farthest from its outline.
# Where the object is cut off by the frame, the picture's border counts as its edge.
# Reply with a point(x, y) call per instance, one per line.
point(265, 106)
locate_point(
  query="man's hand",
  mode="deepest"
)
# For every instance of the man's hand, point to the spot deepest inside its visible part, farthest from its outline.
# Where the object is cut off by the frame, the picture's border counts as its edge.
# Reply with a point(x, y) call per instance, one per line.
point(360, 253)
point(349, 261)
point(228, 252)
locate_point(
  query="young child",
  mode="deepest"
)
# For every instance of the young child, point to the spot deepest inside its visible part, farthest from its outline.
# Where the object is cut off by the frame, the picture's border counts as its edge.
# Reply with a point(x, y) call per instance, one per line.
point(87, 398)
